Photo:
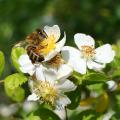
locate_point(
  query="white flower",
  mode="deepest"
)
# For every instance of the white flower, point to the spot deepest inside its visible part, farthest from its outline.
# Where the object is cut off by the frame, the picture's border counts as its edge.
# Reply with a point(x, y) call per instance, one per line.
point(51, 45)
point(26, 66)
point(50, 50)
point(87, 55)
point(46, 87)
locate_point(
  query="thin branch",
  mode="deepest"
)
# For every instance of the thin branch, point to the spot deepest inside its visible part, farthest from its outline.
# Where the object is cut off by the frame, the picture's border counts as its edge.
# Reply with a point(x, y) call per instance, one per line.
point(66, 113)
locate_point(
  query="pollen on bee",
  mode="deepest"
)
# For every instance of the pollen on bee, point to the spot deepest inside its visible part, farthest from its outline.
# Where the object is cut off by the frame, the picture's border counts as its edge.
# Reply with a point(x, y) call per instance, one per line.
point(56, 61)
point(47, 45)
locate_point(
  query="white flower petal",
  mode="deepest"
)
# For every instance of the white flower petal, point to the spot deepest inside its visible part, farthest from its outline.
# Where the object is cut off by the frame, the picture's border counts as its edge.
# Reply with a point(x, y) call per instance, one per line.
point(112, 85)
point(24, 59)
point(54, 30)
point(95, 65)
point(30, 69)
point(61, 113)
point(54, 52)
point(39, 73)
point(62, 102)
point(33, 97)
point(104, 54)
point(73, 58)
point(83, 40)
point(26, 65)
point(50, 75)
point(64, 71)
point(31, 85)
point(108, 115)
point(67, 86)
point(61, 43)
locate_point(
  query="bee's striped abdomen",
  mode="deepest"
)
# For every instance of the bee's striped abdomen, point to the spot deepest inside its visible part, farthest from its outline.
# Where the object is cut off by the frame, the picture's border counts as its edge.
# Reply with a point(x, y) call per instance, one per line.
point(32, 54)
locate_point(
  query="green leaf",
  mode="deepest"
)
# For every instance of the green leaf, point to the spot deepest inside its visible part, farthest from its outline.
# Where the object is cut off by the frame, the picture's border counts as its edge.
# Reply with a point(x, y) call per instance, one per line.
point(98, 87)
point(85, 115)
point(12, 86)
point(46, 114)
point(76, 78)
point(2, 62)
point(32, 117)
point(74, 97)
point(88, 117)
point(90, 78)
point(115, 116)
point(16, 94)
point(95, 77)
point(16, 53)
point(15, 80)
point(116, 101)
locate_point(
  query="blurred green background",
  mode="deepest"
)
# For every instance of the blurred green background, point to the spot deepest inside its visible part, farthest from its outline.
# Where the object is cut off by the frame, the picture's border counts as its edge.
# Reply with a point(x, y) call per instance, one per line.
point(18, 18)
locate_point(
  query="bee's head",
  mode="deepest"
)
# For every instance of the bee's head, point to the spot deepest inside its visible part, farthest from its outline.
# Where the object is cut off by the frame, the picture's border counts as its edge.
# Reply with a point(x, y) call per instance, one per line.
point(41, 33)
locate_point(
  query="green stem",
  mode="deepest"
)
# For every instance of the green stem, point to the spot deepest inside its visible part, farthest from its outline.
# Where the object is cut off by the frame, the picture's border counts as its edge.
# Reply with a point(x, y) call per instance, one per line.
point(66, 113)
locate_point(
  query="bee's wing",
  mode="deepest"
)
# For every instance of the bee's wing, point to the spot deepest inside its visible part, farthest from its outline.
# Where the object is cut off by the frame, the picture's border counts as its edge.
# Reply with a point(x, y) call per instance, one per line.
point(20, 44)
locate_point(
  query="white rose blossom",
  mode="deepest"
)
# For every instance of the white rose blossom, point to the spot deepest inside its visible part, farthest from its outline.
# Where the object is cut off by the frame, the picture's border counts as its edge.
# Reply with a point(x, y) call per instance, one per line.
point(86, 55)
point(51, 44)
point(51, 53)
point(46, 87)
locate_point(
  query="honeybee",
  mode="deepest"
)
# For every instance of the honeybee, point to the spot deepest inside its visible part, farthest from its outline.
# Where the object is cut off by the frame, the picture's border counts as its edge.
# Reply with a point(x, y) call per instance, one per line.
point(32, 45)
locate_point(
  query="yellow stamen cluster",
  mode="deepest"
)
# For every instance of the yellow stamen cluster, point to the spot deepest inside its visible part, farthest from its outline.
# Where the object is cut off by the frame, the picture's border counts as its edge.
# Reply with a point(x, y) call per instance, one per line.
point(47, 45)
point(46, 92)
point(88, 51)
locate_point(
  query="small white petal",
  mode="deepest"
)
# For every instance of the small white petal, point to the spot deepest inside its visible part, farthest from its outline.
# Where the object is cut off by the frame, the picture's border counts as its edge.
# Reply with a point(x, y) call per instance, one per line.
point(112, 85)
point(67, 86)
point(83, 40)
point(24, 59)
point(57, 49)
point(52, 54)
point(29, 106)
point(50, 75)
point(73, 58)
point(61, 113)
point(39, 73)
point(26, 65)
point(104, 54)
point(62, 101)
point(64, 71)
point(31, 85)
point(33, 97)
point(54, 30)
point(108, 115)
point(61, 43)
point(94, 65)
point(30, 69)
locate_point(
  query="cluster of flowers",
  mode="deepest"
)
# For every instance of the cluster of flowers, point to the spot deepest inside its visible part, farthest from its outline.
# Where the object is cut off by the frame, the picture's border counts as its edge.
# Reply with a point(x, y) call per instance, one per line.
point(49, 79)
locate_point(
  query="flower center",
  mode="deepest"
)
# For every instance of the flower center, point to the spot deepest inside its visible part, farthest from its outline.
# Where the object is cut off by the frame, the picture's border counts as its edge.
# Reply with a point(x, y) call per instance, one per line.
point(47, 45)
point(46, 92)
point(56, 61)
point(88, 51)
